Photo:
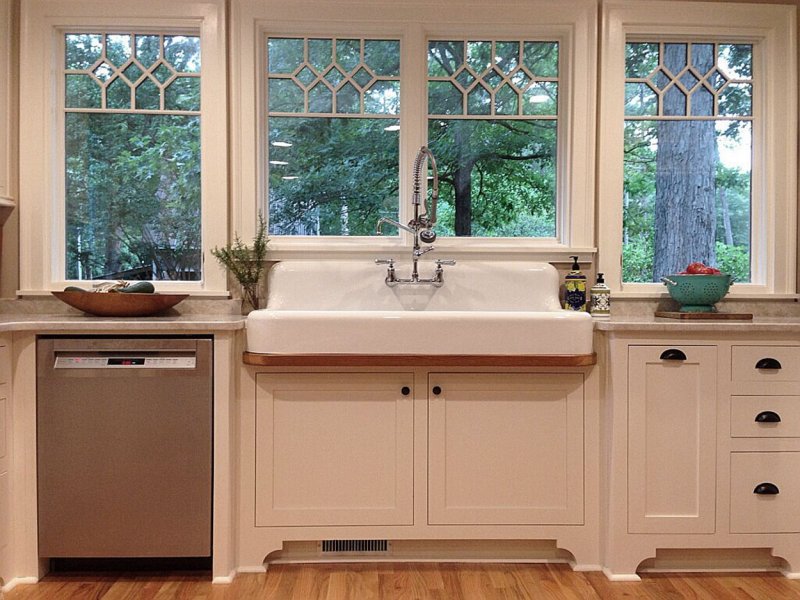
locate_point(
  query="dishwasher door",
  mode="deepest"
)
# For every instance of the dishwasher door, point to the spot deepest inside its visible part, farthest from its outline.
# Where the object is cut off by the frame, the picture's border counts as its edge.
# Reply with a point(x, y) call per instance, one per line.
point(124, 446)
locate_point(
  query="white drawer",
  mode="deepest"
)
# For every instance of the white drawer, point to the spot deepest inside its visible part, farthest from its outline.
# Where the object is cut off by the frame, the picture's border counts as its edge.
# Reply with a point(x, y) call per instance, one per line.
point(765, 416)
point(778, 363)
point(777, 508)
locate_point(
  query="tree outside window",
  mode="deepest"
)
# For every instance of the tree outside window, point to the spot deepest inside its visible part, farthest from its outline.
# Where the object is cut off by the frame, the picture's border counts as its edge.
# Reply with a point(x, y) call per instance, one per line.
point(688, 154)
point(333, 135)
point(132, 156)
point(493, 127)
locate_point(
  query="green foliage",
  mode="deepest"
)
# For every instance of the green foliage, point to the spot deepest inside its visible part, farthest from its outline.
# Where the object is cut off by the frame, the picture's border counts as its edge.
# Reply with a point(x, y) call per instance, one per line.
point(133, 196)
point(246, 263)
point(338, 177)
point(511, 170)
point(637, 260)
point(132, 180)
point(734, 260)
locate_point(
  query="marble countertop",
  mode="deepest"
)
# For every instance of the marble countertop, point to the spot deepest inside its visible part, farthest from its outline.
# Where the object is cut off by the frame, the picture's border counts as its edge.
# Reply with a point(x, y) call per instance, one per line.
point(167, 323)
point(651, 324)
point(55, 322)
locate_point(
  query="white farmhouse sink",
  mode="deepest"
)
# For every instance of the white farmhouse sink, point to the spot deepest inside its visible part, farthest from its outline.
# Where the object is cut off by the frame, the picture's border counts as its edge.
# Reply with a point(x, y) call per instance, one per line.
point(344, 307)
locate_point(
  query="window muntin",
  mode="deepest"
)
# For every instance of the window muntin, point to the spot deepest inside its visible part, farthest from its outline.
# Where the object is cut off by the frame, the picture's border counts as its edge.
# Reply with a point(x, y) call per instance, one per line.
point(132, 156)
point(493, 126)
point(687, 157)
point(333, 107)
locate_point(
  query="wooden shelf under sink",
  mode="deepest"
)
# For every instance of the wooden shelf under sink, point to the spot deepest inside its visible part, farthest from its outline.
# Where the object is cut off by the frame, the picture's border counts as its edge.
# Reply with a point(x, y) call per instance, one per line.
point(433, 360)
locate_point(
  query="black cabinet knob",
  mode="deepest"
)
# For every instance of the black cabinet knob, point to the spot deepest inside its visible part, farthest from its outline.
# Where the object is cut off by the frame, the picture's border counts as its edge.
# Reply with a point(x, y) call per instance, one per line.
point(673, 354)
point(436, 390)
point(766, 489)
point(768, 416)
point(405, 390)
point(768, 363)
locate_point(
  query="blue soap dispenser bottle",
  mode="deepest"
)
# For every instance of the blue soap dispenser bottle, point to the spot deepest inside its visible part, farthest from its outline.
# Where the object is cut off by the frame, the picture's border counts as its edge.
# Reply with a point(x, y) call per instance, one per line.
point(575, 284)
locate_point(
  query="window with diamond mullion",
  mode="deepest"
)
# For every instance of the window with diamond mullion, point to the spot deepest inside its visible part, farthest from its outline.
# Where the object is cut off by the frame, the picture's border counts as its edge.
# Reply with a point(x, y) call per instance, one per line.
point(688, 151)
point(333, 108)
point(132, 156)
point(493, 109)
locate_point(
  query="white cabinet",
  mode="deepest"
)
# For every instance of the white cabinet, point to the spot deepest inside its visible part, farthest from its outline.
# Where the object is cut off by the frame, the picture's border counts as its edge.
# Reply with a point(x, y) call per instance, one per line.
point(672, 442)
point(505, 449)
point(703, 449)
point(334, 449)
point(420, 456)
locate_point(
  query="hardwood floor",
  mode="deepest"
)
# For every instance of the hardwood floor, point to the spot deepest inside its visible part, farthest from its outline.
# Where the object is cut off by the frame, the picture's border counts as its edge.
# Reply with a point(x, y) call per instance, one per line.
point(409, 581)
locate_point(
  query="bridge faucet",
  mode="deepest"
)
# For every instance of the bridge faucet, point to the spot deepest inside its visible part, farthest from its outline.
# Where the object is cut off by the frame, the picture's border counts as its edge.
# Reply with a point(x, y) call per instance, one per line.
point(420, 226)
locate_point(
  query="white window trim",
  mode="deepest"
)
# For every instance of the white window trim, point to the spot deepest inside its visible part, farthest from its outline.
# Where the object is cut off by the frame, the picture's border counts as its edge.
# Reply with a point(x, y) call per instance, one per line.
point(7, 191)
point(41, 173)
point(573, 23)
point(774, 184)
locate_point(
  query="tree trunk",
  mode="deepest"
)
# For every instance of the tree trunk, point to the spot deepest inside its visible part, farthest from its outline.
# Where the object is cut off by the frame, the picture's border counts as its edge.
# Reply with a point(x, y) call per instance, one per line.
point(462, 181)
point(463, 188)
point(726, 216)
point(686, 163)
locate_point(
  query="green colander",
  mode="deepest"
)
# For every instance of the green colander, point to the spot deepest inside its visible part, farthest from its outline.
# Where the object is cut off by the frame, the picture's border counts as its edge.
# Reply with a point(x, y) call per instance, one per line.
point(698, 293)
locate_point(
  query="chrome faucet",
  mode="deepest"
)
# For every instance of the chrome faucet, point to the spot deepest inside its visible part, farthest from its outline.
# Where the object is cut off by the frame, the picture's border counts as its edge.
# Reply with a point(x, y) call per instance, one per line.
point(420, 226)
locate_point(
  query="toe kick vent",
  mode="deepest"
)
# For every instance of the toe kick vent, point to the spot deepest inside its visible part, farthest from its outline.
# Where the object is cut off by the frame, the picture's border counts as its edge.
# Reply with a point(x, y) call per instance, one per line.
point(354, 546)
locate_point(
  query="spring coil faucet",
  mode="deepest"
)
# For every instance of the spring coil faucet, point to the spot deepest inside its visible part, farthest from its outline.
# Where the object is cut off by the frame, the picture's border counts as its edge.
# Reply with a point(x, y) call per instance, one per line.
point(420, 226)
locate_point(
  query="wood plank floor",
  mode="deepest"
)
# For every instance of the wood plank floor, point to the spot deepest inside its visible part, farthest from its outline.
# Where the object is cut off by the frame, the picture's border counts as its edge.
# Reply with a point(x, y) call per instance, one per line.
point(410, 581)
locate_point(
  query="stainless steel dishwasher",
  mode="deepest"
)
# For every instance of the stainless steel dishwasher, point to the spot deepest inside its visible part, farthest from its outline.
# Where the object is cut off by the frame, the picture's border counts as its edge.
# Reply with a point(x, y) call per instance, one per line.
point(124, 446)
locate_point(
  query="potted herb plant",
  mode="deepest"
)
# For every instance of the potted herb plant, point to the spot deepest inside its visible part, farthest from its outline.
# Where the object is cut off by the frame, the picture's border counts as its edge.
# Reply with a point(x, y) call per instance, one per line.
point(246, 264)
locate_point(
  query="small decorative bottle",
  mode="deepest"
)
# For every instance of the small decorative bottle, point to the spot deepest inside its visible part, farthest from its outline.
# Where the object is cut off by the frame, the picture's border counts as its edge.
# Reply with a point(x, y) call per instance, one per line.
point(601, 298)
point(575, 284)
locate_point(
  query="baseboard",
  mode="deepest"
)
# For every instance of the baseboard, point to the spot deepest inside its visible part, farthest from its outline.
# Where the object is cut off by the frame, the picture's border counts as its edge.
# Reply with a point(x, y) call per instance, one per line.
point(15, 581)
point(620, 576)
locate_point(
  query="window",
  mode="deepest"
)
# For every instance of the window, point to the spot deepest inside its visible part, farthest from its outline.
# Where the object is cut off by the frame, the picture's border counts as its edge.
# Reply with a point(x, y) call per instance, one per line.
point(333, 148)
point(697, 139)
point(493, 126)
point(347, 97)
point(687, 160)
point(132, 152)
point(123, 130)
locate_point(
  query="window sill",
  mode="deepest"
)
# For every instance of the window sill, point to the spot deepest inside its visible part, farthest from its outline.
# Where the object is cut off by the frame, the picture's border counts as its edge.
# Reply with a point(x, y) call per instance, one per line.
point(733, 296)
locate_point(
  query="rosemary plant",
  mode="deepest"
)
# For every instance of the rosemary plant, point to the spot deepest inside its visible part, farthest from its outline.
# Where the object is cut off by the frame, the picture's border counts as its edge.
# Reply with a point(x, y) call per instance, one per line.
point(246, 263)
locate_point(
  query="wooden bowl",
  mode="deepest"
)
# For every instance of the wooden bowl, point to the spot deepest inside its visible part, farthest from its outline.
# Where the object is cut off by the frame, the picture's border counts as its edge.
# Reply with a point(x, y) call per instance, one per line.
point(115, 304)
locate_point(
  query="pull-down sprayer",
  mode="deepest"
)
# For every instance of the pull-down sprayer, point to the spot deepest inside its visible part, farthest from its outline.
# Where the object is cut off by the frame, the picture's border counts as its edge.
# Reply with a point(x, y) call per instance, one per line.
point(420, 225)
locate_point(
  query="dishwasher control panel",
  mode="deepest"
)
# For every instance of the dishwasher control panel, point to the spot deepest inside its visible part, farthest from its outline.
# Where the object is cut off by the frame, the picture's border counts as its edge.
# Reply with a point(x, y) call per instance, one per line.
point(125, 362)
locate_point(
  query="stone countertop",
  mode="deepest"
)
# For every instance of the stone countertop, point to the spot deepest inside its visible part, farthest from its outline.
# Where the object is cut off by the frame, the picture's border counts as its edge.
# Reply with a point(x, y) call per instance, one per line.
point(653, 324)
point(171, 323)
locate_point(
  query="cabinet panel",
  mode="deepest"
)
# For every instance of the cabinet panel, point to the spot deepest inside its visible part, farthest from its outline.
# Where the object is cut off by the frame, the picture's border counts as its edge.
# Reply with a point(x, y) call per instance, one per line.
point(506, 449)
point(5, 362)
point(3, 429)
point(5, 521)
point(777, 510)
point(745, 359)
point(765, 416)
point(334, 449)
point(671, 440)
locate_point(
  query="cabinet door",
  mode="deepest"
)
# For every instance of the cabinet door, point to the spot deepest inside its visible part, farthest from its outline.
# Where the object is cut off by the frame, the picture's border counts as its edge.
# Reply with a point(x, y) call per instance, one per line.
point(505, 449)
point(672, 439)
point(334, 449)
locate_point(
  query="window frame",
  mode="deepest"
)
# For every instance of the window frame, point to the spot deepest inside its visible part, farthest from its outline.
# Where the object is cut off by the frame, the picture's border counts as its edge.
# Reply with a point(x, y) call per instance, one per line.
point(770, 28)
point(571, 23)
point(42, 175)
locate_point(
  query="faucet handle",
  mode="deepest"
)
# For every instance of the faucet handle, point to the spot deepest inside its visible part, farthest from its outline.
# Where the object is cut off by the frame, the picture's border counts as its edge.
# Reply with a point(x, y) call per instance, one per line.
point(445, 261)
point(385, 261)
